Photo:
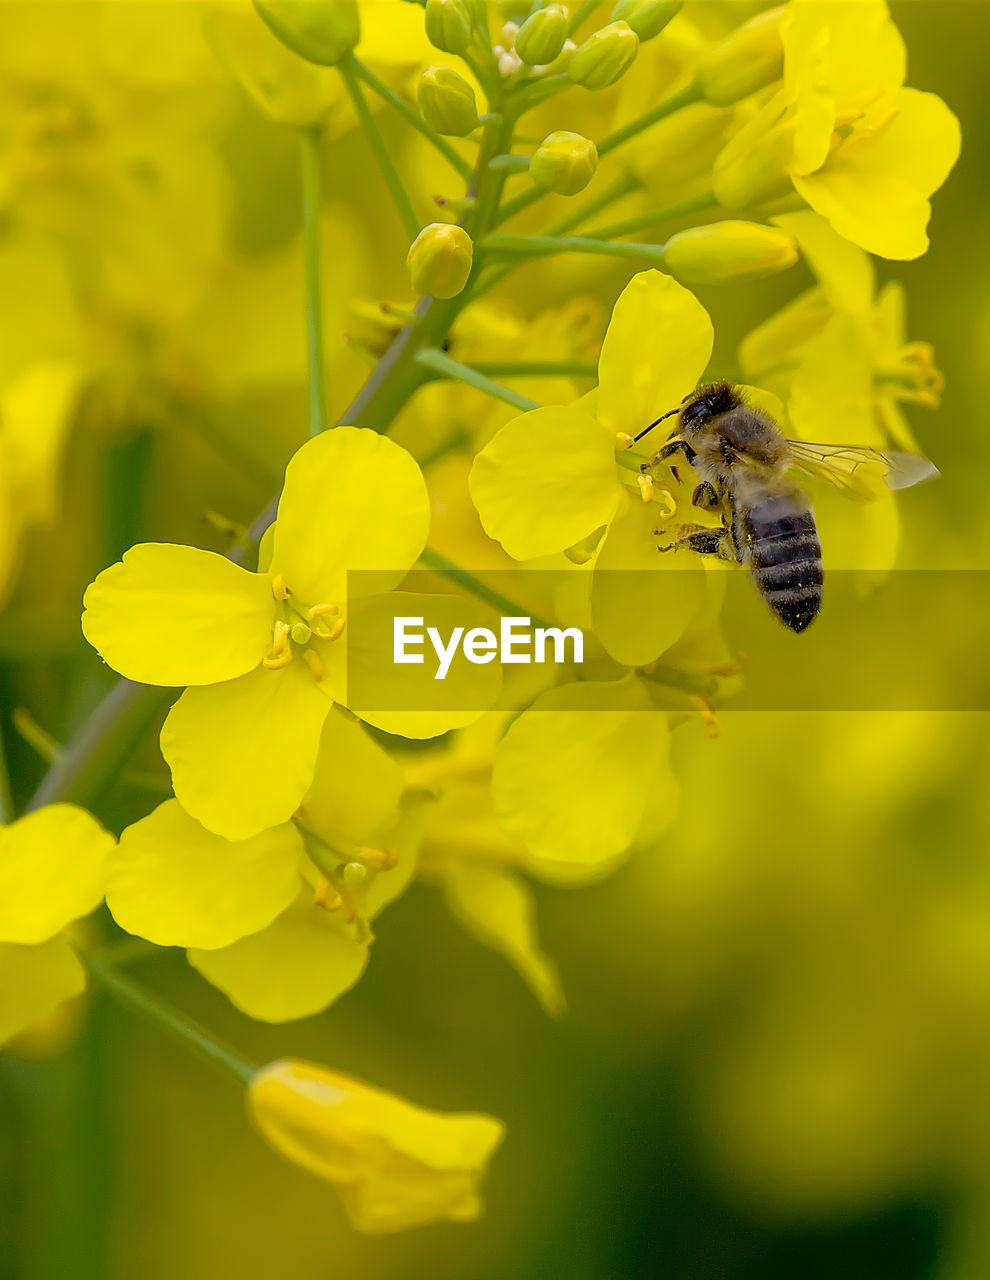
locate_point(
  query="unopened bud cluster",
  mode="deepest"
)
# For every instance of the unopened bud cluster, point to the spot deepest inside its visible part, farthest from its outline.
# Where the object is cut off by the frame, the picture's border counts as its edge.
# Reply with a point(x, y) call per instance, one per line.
point(321, 31)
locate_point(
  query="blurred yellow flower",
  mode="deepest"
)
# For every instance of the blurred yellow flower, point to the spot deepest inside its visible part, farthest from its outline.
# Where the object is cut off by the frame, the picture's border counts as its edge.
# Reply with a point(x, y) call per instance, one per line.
point(52, 872)
point(242, 739)
point(859, 147)
point(395, 1165)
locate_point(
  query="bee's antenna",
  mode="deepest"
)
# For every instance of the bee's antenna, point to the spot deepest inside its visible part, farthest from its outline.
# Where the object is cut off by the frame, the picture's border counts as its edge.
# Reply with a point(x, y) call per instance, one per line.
point(647, 430)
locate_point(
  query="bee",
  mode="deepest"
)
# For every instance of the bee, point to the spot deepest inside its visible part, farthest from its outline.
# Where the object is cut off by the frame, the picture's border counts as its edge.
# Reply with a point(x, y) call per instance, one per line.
point(750, 471)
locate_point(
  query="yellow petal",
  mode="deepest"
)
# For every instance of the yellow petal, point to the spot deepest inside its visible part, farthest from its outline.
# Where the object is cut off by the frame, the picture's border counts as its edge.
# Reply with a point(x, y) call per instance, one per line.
point(356, 787)
point(353, 499)
point(34, 981)
point(545, 481)
point(406, 698)
point(395, 1165)
point(574, 774)
point(243, 753)
point(36, 410)
point(832, 391)
point(295, 967)
point(174, 615)
point(178, 885)
point(52, 871)
point(858, 47)
point(498, 910)
point(657, 346)
point(883, 215)
point(844, 271)
point(391, 33)
point(641, 600)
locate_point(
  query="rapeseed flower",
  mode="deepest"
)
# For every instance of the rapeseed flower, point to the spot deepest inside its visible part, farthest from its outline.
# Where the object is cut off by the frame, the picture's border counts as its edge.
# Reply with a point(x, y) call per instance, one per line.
point(395, 1165)
point(843, 131)
point(254, 649)
point(551, 479)
point(52, 872)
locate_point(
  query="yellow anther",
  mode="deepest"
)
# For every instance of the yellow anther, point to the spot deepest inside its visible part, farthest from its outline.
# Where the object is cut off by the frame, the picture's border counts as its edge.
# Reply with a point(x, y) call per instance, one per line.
point(667, 503)
point(312, 660)
point(322, 898)
point(323, 611)
point(623, 440)
point(645, 487)
point(708, 716)
point(336, 631)
point(275, 661)
point(380, 859)
point(279, 590)
point(280, 638)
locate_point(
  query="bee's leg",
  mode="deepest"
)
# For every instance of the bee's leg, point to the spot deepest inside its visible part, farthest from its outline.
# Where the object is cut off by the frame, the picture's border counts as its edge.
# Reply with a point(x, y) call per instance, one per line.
point(705, 497)
point(670, 448)
point(703, 542)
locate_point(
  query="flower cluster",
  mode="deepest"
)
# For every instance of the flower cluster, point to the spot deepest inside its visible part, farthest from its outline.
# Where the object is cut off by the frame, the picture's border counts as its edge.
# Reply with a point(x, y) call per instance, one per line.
point(295, 813)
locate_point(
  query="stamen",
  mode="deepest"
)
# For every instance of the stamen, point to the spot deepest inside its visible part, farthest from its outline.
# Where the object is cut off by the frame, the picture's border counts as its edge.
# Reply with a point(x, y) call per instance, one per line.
point(336, 631)
point(623, 440)
point(280, 638)
point(312, 660)
point(323, 611)
point(279, 590)
point(708, 716)
point(380, 859)
point(322, 899)
point(275, 661)
point(666, 502)
point(645, 487)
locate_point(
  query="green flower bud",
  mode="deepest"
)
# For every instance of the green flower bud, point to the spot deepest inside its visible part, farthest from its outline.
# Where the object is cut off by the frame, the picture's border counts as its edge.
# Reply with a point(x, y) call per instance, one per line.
point(447, 102)
point(320, 31)
point(646, 17)
point(439, 260)
point(752, 57)
point(448, 25)
point(513, 10)
point(564, 162)
point(541, 37)
point(604, 56)
point(729, 250)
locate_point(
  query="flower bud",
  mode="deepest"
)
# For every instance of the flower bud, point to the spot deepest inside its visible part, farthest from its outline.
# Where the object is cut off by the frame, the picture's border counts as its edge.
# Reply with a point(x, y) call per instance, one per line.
point(754, 165)
point(604, 56)
point(394, 1164)
point(448, 25)
point(564, 162)
point(320, 31)
point(646, 17)
point(729, 250)
point(513, 10)
point(541, 37)
point(447, 102)
point(439, 260)
point(752, 57)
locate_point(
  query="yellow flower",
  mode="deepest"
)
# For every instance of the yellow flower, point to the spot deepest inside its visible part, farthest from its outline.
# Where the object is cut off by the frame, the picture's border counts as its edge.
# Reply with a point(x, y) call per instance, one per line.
point(395, 1165)
point(279, 922)
point(550, 480)
point(255, 649)
point(859, 147)
point(52, 871)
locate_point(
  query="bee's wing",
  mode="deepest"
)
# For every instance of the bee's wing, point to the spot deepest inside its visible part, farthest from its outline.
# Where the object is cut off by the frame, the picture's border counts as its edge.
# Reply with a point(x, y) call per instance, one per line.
point(860, 472)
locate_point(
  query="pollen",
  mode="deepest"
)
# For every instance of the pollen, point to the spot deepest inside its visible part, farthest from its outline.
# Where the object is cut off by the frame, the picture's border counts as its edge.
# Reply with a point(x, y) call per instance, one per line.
point(645, 487)
point(279, 590)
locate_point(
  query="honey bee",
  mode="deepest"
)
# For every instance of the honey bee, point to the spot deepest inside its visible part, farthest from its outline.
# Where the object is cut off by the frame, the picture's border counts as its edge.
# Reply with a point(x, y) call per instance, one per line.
point(750, 470)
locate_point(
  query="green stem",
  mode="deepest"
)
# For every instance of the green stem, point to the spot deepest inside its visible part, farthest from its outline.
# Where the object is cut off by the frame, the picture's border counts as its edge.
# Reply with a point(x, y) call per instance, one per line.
point(583, 11)
point(378, 149)
point(6, 795)
point(534, 246)
point(311, 200)
point(624, 185)
point(646, 221)
point(431, 358)
point(660, 112)
point(535, 368)
point(143, 1002)
point(513, 164)
point(434, 560)
point(410, 114)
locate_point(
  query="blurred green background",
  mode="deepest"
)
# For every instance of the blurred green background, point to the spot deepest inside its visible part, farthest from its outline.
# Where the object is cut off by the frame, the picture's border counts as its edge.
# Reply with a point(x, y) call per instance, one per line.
point(776, 1060)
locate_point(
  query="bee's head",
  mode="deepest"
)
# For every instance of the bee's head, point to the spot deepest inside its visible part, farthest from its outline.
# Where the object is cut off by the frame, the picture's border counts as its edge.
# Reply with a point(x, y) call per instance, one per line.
point(701, 406)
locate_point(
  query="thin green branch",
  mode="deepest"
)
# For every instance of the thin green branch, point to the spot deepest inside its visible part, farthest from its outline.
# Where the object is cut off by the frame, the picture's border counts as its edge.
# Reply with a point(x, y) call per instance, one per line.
point(535, 368)
point(377, 144)
point(6, 795)
point(661, 111)
point(647, 221)
point(434, 560)
point(540, 246)
point(143, 1002)
point(582, 12)
point(311, 201)
point(431, 358)
point(410, 114)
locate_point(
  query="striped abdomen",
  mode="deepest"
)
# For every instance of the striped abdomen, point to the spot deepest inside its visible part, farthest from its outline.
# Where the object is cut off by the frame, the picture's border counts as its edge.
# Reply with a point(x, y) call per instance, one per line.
point(778, 542)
